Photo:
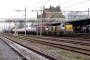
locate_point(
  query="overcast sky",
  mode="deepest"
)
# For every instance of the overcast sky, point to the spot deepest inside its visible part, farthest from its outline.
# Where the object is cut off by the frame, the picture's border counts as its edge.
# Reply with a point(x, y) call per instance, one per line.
point(8, 7)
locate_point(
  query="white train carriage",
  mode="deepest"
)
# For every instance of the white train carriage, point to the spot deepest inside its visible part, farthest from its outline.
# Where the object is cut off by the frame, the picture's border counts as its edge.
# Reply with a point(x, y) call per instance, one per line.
point(28, 30)
point(33, 29)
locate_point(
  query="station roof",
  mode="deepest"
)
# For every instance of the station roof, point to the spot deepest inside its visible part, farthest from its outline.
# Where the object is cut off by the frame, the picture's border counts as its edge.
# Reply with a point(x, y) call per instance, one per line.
point(76, 22)
point(80, 22)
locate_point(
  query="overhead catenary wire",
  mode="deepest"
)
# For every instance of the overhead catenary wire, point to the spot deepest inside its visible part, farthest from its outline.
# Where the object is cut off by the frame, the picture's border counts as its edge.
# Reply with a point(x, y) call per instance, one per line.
point(42, 4)
point(37, 7)
point(83, 6)
point(67, 2)
point(77, 4)
point(34, 5)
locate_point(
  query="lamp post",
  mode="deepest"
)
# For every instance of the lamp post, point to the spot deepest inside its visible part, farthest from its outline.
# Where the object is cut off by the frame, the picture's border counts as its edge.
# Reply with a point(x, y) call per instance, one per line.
point(25, 17)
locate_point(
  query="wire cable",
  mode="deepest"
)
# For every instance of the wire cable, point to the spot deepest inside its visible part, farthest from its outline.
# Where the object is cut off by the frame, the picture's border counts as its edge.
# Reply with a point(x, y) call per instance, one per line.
point(83, 6)
point(67, 2)
point(76, 4)
point(37, 7)
point(35, 4)
point(41, 4)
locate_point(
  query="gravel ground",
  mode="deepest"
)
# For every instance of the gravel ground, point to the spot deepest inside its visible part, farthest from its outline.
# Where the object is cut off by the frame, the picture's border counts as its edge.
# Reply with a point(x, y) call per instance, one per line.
point(6, 53)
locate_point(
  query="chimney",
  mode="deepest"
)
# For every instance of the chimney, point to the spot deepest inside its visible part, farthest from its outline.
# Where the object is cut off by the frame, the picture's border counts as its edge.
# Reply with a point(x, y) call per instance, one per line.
point(50, 7)
point(58, 8)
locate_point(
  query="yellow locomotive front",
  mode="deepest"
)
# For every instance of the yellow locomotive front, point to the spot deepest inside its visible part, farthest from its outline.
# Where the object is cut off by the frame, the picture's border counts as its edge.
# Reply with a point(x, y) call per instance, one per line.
point(68, 29)
point(62, 28)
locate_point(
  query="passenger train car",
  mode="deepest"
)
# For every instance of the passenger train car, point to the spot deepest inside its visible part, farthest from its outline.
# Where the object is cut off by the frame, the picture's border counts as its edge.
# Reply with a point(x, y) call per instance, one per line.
point(62, 28)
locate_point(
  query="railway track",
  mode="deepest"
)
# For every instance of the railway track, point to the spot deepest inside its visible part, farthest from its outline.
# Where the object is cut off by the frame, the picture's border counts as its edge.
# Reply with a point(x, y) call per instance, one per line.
point(7, 53)
point(21, 56)
point(63, 44)
point(22, 52)
point(74, 38)
point(79, 41)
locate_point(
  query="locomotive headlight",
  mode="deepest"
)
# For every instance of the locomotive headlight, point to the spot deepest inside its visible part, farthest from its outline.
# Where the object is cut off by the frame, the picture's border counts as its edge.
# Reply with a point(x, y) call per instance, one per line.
point(46, 28)
point(63, 27)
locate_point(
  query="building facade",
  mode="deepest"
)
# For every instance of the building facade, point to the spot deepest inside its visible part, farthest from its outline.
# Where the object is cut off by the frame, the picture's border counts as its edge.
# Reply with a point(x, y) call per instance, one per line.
point(52, 12)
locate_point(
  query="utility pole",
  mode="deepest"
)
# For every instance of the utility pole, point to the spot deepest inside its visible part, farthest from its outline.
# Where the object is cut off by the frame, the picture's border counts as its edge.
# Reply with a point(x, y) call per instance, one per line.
point(25, 17)
point(15, 33)
point(9, 26)
point(37, 25)
point(88, 12)
point(40, 22)
point(4, 26)
point(25, 21)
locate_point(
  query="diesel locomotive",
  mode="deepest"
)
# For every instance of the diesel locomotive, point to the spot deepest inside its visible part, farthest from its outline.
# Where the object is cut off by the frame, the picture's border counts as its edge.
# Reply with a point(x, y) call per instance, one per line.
point(62, 28)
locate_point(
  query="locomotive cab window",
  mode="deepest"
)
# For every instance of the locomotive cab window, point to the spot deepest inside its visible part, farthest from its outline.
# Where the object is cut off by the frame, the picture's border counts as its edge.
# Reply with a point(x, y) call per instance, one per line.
point(62, 25)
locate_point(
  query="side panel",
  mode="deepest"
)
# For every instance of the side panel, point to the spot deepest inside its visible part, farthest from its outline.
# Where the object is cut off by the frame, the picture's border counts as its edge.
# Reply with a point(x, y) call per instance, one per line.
point(60, 28)
point(43, 28)
point(69, 27)
point(69, 30)
point(33, 29)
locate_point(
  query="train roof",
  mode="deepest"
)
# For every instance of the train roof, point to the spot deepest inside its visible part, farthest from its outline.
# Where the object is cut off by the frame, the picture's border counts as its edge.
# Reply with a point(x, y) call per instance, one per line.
point(74, 22)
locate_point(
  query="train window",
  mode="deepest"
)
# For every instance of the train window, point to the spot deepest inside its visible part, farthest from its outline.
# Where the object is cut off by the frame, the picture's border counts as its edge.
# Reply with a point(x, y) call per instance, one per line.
point(62, 25)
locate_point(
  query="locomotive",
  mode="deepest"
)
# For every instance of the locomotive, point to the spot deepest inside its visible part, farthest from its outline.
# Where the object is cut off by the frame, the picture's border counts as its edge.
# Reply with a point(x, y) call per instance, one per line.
point(62, 28)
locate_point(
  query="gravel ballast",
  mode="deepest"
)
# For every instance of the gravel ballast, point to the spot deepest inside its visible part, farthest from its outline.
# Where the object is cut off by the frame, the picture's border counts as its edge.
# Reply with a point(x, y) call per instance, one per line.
point(6, 53)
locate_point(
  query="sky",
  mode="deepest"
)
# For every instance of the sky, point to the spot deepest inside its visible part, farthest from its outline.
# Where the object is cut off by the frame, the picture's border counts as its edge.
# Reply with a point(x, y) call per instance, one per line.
point(8, 7)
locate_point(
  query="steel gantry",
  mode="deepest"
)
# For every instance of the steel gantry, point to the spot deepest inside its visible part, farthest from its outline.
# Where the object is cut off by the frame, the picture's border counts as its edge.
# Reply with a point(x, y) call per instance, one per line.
point(45, 20)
